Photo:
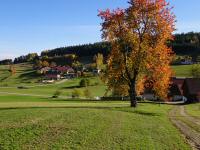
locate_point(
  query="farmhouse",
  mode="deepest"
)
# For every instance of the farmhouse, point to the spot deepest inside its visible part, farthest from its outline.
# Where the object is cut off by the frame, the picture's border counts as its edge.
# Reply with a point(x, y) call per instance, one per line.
point(53, 76)
point(176, 91)
point(45, 70)
point(191, 89)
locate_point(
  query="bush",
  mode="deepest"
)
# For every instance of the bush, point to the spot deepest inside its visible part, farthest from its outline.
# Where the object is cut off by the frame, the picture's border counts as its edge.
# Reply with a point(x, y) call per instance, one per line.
point(87, 93)
point(57, 94)
point(195, 71)
point(84, 83)
point(22, 87)
point(76, 93)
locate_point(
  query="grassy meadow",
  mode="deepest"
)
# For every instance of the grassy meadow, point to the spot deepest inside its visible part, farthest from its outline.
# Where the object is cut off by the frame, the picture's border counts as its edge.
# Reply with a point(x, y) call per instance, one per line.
point(182, 70)
point(42, 123)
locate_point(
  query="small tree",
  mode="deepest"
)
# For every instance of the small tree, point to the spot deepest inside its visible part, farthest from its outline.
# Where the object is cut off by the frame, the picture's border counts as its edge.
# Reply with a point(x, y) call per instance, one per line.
point(84, 83)
point(99, 61)
point(57, 94)
point(195, 71)
point(38, 64)
point(45, 63)
point(12, 70)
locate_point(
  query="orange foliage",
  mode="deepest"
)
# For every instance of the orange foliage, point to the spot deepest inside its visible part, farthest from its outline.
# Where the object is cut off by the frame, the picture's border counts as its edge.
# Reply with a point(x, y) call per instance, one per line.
point(138, 36)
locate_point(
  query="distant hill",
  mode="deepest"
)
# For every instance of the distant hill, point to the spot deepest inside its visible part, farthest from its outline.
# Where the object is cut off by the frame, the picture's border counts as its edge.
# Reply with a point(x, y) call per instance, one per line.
point(80, 50)
point(187, 44)
point(183, 44)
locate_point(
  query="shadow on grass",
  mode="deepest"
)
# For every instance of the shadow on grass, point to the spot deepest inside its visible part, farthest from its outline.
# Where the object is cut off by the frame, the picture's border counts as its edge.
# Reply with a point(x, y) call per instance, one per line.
point(71, 87)
point(114, 109)
point(29, 75)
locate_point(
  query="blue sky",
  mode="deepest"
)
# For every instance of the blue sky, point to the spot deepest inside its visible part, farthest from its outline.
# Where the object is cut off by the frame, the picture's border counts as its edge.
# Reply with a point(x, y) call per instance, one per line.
point(35, 25)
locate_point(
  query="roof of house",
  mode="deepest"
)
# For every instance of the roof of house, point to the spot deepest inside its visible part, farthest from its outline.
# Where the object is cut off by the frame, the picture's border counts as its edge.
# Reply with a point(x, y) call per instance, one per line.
point(193, 85)
point(62, 68)
point(45, 69)
point(52, 76)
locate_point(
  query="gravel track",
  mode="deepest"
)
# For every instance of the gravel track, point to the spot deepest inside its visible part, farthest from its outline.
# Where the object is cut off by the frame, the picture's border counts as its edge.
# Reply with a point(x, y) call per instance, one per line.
point(192, 136)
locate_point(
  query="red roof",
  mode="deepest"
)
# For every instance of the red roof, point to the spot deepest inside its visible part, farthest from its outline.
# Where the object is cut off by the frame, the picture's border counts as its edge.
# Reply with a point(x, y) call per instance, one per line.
point(52, 76)
point(61, 69)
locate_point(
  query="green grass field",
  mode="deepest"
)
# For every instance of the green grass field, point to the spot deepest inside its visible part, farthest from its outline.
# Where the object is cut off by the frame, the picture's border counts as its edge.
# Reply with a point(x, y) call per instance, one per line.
point(24, 75)
point(42, 123)
point(193, 110)
point(182, 70)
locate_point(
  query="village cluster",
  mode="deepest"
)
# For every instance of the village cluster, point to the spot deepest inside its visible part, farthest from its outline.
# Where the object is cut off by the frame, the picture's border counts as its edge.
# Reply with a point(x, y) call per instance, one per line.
point(52, 74)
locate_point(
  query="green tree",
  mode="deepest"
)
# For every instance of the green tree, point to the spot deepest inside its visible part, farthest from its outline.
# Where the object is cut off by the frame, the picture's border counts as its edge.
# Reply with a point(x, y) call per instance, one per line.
point(57, 94)
point(195, 71)
point(84, 82)
point(38, 64)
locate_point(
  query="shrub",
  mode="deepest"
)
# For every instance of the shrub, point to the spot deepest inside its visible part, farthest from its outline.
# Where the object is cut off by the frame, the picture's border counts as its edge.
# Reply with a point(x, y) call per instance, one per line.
point(195, 71)
point(76, 93)
point(57, 94)
point(87, 93)
point(84, 83)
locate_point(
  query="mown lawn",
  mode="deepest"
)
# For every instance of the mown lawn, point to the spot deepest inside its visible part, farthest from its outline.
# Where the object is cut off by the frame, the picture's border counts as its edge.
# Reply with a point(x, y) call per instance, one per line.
point(193, 109)
point(182, 70)
point(37, 123)
point(96, 88)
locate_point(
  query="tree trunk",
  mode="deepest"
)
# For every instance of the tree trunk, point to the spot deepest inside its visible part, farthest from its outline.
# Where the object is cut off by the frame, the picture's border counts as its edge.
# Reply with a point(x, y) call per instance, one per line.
point(132, 94)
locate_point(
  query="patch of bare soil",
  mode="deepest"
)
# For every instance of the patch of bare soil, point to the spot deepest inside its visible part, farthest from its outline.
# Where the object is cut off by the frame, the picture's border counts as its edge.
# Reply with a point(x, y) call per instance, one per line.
point(192, 136)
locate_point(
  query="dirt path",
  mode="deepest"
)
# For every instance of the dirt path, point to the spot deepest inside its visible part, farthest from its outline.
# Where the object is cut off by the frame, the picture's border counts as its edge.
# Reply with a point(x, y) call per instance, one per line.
point(190, 118)
point(179, 117)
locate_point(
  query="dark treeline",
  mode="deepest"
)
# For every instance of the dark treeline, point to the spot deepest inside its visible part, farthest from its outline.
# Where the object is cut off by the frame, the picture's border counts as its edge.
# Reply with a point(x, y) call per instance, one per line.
point(187, 44)
point(6, 62)
point(184, 44)
point(26, 58)
point(80, 50)
point(61, 60)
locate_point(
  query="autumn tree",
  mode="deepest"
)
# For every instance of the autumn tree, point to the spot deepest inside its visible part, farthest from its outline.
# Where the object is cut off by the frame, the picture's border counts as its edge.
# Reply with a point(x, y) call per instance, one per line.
point(12, 70)
point(45, 63)
point(140, 56)
point(98, 61)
